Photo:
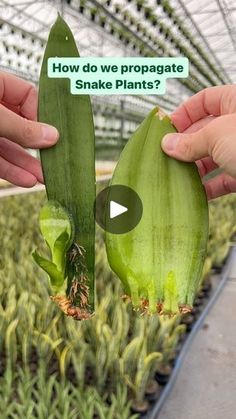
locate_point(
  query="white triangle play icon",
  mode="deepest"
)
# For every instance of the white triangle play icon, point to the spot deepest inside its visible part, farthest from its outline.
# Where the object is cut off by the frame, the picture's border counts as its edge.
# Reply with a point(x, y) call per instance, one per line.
point(116, 209)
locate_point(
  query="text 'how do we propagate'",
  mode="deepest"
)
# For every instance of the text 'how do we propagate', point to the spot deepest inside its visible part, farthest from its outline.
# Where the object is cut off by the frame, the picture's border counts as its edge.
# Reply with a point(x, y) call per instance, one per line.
point(118, 75)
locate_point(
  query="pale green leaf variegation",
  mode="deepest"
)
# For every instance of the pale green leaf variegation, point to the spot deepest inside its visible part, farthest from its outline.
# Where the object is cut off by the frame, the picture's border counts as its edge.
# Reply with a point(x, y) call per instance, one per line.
point(58, 231)
point(56, 277)
point(160, 261)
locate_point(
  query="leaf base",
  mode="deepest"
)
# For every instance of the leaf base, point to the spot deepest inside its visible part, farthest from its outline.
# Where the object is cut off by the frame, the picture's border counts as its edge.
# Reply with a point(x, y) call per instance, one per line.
point(160, 309)
point(66, 305)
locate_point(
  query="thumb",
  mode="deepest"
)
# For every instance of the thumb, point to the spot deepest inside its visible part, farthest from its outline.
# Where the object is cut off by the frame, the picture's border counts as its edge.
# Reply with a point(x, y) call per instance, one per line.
point(187, 147)
point(217, 140)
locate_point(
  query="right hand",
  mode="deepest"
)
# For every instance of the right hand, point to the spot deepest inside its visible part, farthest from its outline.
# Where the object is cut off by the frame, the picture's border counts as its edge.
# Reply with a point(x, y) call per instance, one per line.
point(207, 135)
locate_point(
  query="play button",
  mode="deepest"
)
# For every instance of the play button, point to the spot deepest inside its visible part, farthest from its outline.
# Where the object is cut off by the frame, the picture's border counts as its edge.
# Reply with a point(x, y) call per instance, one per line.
point(118, 209)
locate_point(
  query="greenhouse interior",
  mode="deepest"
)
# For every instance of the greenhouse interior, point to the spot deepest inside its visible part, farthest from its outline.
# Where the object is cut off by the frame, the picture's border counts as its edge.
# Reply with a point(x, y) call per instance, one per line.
point(134, 321)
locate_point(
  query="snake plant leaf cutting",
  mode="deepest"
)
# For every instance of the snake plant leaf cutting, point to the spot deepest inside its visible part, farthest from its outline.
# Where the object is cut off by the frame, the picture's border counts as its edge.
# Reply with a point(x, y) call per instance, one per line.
point(161, 259)
point(67, 221)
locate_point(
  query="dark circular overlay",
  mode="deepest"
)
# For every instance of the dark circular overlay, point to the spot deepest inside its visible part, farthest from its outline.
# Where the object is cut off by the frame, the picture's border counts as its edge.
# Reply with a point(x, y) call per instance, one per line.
point(113, 199)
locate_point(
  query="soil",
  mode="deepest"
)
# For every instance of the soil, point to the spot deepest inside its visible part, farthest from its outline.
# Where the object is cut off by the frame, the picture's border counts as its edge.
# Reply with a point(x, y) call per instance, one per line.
point(163, 373)
point(198, 302)
point(206, 288)
point(152, 391)
point(195, 311)
point(201, 294)
point(164, 369)
point(187, 318)
point(139, 407)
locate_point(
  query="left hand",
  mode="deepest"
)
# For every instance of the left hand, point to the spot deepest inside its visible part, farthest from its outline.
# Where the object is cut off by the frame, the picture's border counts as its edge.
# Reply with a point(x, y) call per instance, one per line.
point(19, 129)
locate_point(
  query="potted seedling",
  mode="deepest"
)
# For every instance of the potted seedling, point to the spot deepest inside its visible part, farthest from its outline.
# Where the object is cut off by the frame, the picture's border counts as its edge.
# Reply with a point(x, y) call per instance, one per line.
point(198, 302)
point(145, 365)
point(150, 38)
point(102, 21)
point(154, 20)
point(169, 343)
point(81, 6)
point(137, 364)
point(144, 31)
point(167, 33)
point(152, 391)
point(93, 12)
point(131, 20)
point(117, 9)
point(140, 4)
point(152, 327)
point(167, 9)
point(112, 29)
point(126, 16)
point(142, 49)
point(120, 34)
point(188, 319)
point(206, 287)
point(147, 12)
point(201, 295)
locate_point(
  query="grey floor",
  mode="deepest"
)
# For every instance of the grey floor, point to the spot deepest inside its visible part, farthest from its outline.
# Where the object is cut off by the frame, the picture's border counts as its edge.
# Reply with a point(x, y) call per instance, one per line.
point(206, 385)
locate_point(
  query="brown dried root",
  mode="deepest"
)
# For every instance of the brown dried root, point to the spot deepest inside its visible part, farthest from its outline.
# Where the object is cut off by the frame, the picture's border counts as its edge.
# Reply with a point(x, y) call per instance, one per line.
point(65, 304)
point(183, 308)
point(80, 288)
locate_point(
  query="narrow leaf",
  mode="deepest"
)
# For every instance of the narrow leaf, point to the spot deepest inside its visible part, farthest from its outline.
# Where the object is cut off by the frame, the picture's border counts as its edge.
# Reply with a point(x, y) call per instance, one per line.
point(69, 166)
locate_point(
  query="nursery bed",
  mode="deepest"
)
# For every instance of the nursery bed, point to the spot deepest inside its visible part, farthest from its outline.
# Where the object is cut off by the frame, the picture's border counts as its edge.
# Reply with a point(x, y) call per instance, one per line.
point(70, 379)
point(204, 385)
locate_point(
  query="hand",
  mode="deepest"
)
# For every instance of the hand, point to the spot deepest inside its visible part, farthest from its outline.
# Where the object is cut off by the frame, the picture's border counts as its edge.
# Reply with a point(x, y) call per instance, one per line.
point(207, 134)
point(19, 129)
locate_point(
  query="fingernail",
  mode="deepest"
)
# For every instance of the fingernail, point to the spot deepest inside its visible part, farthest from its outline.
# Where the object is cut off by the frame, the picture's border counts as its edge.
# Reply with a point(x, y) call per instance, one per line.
point(50, 134)
point(170, 141)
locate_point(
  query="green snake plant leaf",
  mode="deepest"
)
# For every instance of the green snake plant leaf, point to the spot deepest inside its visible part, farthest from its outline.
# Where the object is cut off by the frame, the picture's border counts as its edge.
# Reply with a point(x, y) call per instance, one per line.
point(153, 356)
point(172, 234)
point(69, 173)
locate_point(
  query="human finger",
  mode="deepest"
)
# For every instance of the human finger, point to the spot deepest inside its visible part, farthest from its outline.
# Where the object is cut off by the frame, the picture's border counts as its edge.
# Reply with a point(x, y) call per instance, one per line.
point(16, 155)
point(196, 126)
point(206, 165)
point(18, 94)
point(16, 175)
point(220, 185)
point(216, 101)
point(217, 140)
point(25, 132)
